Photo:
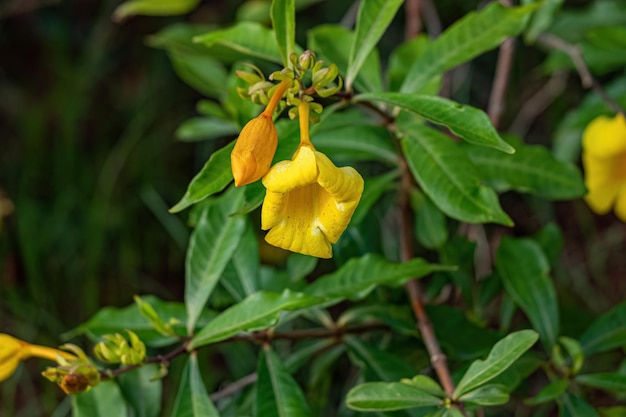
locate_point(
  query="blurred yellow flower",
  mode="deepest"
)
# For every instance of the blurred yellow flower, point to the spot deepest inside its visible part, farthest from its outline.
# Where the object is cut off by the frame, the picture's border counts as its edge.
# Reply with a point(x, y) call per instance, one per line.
point(309, 201)
point(255, 148)
point(13, 351)
point(604, 161)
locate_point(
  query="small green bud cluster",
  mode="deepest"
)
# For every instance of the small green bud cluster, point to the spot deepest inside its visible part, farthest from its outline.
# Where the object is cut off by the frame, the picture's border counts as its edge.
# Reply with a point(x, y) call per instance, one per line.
point(73, 375)
point(116, 349)
point(146, 310)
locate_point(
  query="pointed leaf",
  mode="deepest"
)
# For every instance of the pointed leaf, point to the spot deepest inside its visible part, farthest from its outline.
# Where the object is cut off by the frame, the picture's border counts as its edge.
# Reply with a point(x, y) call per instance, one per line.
point(192, 399)
point(211, 246)
point(542, 18)
point(490, 394)
point(467, 122)
point(448, 177)
point(213, 178)
point(258, 311)
point(474, 34)
point(277, 393)
point(549, 393)
point(385, 366)
point(204, 128)
point(283, 15)
point(608, 381)
point(426, 384)
point(357, 143)
point(573, 406)
point(373, 19)
point(153, 8)
point(524, 270)
point(142, 393)
point(607, 332)
point(502, 355)
point(248, 38)
point(388, 396)
point(359, 276)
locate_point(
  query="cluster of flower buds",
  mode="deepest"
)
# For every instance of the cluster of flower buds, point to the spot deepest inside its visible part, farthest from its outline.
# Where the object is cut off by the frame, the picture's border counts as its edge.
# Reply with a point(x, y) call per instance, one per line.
point(73, 375)
point(116, 349)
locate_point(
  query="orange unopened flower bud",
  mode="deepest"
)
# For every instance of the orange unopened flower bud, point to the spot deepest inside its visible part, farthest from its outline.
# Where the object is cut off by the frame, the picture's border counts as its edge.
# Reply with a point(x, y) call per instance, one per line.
point(252, 156)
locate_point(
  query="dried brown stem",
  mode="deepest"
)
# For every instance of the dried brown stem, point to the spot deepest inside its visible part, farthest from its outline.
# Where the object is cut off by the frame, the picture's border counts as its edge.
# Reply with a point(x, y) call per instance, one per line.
point(235, 387)
point(413, 23)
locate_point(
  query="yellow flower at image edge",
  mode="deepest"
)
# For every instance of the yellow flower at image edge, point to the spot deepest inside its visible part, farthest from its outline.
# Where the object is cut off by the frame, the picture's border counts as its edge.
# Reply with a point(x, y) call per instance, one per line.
point(604, 161)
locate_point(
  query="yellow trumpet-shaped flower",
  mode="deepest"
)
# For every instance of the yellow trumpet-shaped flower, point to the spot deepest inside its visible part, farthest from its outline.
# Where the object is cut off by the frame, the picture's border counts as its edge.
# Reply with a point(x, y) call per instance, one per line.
point(309, 201)
point(255, 148)
point(604, 160)
point(13, 351)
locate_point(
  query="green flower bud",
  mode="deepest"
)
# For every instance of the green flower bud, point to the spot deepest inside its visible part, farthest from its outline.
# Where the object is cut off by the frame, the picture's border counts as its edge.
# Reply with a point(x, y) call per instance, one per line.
point(306, 60)
point(249, 77)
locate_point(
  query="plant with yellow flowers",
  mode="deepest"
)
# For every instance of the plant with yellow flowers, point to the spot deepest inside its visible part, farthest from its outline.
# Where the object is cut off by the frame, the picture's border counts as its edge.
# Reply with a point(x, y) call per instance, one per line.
point(350, 252)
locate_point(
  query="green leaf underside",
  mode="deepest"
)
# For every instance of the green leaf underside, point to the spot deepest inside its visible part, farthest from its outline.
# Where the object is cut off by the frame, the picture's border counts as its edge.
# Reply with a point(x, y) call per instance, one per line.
point(359, 276)
point(607, 332)
point(524, 270)
point(467, 122)
point(248, 38)
point(502, 355)
point(388, 396)
point(449, 178)
point(192, 399)
point(213, 178)
point(277, 393)
point(211, 246)
point(258, 311)
point(472, 35)
point(104, 401)
point(283, 16)
point(373, 19)
point(532, 169)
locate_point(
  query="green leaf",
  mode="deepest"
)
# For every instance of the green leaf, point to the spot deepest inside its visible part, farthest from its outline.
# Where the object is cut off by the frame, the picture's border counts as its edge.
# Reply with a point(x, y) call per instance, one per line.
point(246, 260)
point(357, 143)
point(192, 399)
point(502, 355)
point(490, 394)
point(359, 276)
point(448, 177)
point(258, 311)
point(401, 59)
point(524, 270)
point(373, 189)
point(385, 366)
point(467, 122)
point(388, 396)
point(103, 401)
point(204, 128)
point(607, 332)
point(142, 393)
point(574, 23)
point(541, 19)
point(153, 8)
point(608, 381)
point(549, 393)
point(573, 406)
point(328, 43)
point(531, 169)
point(430, 223)
point(372, 20)
point(283, 15)
point(199, 71)
point(249, 38)
point(211, 246)
point(469, 37)
point(213, 178)
point(426, 384)
point(277, 393)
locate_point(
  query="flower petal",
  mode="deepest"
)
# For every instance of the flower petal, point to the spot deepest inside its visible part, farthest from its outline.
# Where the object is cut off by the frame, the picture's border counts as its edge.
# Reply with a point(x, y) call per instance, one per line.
point(289, 175)
point(605, 137)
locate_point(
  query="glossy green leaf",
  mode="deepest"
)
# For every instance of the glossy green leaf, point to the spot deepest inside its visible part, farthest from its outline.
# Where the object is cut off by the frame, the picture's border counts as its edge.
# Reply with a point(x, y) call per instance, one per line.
point(246, 260)
point(388, 396)
point(213, 241)
point(104, 401)
point(531, 169)
point(550, 238)
point(192, 399)
point(372, 20)
point(430, 223)
point(277, 393)
point(359, 276)
point(608, 381)
point(607, 332)
point(467, 122)
point(490, 394)
point(447, 176)
point(205, 128)
point(283, 15)
point(258, 311)
point(212, 178)
point(401, 59)
point(328, 42)
point(542, 18)
point(426, 384)
point(549, 393)
point(383, 365)
point(249, 38)
point(469, 37)
point(524, 270)
point(502, 355)
point(574, 406)
point(359, 142)
point(153, 8)
point(142, 393)
point(200, 71)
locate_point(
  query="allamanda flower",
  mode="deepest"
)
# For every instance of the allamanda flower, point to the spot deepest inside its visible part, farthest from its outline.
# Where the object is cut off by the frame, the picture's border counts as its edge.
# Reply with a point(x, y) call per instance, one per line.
point(309, 201)
point(13, 351)
point(604, 160)
point(255, 148)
